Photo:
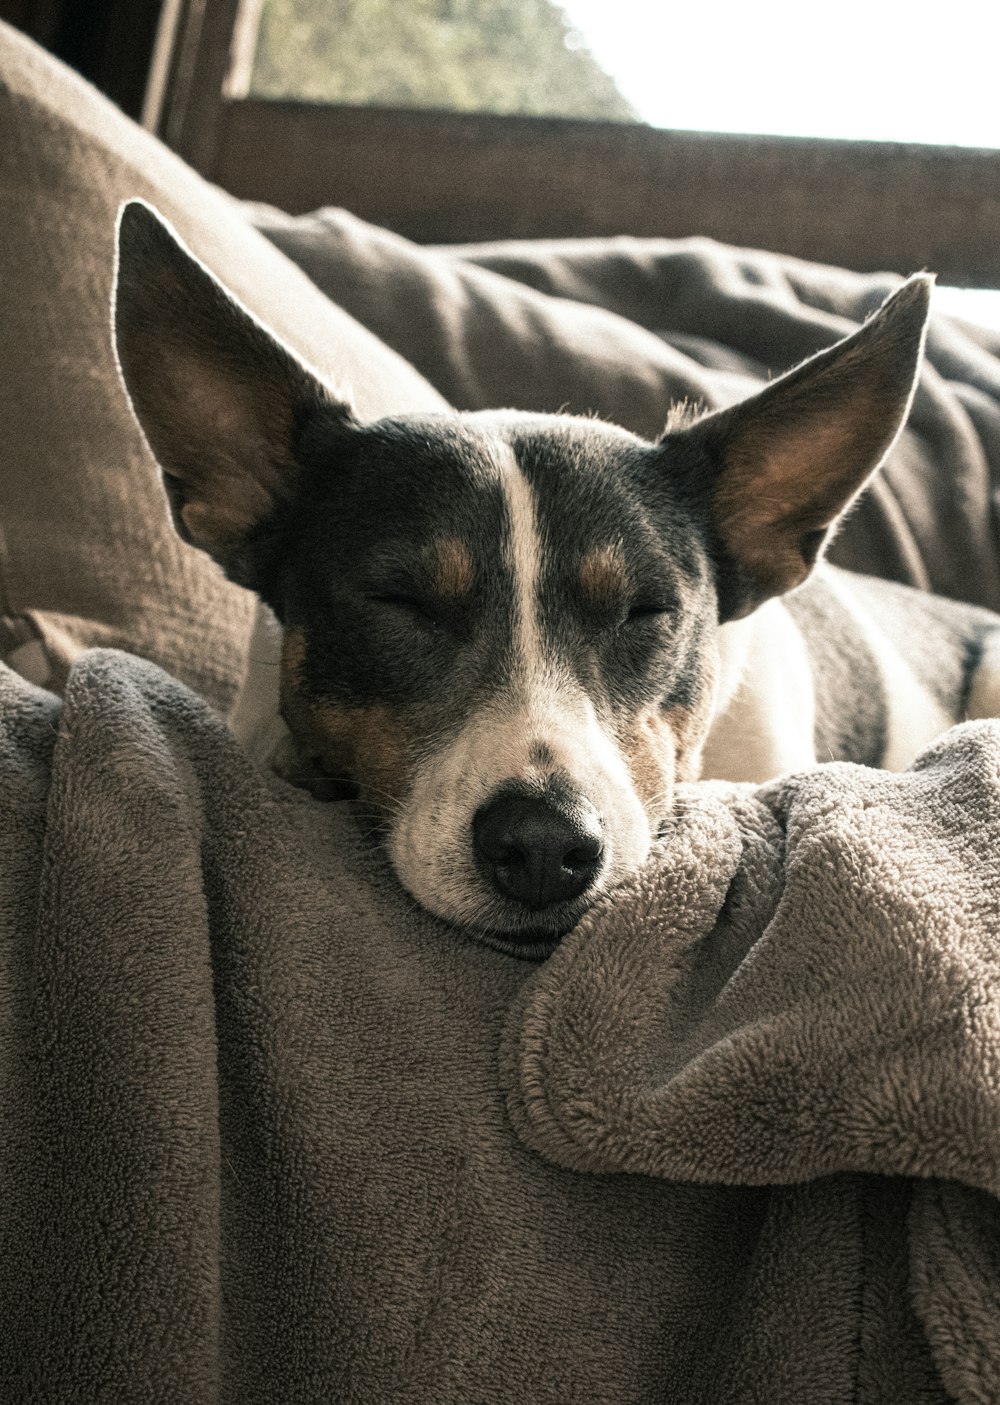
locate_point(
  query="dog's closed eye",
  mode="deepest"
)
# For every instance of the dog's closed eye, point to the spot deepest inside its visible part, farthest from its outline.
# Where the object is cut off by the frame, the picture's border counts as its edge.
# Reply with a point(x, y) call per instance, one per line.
point(411, 608)
point(645, 612)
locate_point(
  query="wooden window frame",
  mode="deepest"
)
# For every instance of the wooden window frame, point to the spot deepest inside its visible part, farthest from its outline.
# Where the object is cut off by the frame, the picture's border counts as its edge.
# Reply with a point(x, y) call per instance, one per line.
point(455, 177)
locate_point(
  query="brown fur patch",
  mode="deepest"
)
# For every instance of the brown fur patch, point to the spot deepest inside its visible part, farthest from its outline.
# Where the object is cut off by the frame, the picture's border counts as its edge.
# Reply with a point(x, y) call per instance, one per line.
point(451, 567)
point(689, 727)
point(662, 748)
point(373, 745)
point(649, 750)
point(604, 574)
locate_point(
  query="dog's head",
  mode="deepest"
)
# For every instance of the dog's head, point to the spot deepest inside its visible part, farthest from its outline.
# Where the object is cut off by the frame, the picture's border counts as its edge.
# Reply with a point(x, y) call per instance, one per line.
point(502, 627)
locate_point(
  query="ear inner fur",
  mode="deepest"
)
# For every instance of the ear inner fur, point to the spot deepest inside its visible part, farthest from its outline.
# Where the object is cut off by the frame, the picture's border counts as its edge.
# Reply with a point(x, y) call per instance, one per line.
point(218, 397)
point(790, 460)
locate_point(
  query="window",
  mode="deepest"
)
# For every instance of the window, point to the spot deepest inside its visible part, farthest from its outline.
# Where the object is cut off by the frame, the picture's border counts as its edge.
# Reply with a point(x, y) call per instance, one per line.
point(855, 71)
point(504, 56)
point(270, 98)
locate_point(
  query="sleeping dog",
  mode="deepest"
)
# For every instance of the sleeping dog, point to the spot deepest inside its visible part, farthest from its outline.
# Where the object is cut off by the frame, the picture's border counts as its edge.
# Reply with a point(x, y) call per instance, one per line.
point(515, 633)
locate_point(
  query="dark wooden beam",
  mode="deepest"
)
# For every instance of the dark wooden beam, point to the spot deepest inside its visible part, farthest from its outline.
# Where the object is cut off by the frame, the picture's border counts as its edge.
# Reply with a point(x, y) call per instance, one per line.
point(441, 176)
point(110, 42)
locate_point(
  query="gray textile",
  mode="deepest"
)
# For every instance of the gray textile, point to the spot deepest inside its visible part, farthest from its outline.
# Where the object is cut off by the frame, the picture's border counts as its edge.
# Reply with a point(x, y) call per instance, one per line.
point(623, 327)
point(260, 1113)
point(269, 1134)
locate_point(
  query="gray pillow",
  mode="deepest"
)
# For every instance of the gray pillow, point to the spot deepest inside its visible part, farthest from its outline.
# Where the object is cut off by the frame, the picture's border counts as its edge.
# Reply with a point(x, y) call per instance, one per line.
point(87, 555)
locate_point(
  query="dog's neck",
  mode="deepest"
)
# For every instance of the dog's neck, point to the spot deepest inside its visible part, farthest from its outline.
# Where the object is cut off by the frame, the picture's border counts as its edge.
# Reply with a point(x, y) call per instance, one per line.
point(764, 711)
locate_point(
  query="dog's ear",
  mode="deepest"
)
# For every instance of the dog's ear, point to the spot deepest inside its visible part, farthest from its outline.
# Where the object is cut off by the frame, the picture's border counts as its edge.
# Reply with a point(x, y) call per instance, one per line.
point(781, 467)
point(220, 400)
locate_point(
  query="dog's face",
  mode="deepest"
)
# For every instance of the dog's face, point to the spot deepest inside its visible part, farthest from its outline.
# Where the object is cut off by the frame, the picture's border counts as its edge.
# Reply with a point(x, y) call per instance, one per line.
point(502, 628)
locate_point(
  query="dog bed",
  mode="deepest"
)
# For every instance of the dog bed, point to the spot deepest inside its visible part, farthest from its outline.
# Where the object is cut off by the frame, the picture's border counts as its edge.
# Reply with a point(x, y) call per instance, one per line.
point(272, 1134)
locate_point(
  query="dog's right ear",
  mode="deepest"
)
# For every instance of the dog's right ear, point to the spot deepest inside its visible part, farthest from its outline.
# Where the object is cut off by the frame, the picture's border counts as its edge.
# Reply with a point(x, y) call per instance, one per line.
point(220, 400)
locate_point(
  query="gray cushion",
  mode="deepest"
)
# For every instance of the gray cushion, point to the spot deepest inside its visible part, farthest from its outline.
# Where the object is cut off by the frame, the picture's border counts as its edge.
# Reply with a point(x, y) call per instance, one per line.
point(86, 552)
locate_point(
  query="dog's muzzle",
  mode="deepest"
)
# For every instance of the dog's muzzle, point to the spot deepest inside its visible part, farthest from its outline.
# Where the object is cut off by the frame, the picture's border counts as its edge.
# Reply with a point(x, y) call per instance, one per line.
point(537, 849)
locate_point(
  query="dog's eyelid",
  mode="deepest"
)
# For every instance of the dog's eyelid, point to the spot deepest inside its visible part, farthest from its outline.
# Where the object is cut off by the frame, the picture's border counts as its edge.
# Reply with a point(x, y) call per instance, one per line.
point(648, 609)
point(417, 606)
point(405, 600)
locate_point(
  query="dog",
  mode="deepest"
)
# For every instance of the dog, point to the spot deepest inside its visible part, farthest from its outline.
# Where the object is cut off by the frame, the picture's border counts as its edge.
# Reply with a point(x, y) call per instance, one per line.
point(514, 633)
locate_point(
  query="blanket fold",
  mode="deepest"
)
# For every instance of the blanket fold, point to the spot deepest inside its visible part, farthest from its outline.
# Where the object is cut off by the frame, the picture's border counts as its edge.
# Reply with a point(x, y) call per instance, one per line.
point(836, 1013)
point(274, 1135)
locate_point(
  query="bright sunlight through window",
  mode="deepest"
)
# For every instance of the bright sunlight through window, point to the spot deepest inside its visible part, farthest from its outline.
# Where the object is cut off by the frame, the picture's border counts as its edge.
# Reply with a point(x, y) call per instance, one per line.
point(858, 69)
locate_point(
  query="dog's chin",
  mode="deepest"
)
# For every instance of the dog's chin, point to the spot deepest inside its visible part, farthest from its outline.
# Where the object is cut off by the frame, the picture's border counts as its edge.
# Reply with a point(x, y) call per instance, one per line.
point(529, 942)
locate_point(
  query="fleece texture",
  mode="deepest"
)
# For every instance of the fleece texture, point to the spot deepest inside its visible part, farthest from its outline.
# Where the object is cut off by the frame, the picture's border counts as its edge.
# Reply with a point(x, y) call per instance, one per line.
point(272, 1134)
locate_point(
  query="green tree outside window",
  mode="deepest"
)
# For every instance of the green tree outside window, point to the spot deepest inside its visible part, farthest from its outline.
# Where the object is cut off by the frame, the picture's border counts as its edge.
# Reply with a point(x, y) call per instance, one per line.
point(508, 56)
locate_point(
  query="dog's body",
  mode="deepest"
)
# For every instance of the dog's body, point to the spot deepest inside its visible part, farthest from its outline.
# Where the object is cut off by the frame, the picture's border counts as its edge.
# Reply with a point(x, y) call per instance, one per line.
point(848, 668)
point(516, 632)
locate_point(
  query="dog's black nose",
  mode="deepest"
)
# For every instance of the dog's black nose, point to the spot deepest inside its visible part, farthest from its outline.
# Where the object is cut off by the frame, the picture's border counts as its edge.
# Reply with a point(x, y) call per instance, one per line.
point(536, 851)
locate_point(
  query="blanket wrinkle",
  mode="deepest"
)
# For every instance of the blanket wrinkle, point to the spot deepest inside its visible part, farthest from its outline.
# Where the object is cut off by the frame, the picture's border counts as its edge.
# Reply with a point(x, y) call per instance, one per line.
point(860, 1031)
point(469, 330)
point(955, 1268)
point(717, 1165)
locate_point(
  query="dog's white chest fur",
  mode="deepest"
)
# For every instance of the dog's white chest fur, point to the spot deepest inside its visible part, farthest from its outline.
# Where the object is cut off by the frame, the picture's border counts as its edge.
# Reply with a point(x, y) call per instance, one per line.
point(764, 721)
point(764, 715)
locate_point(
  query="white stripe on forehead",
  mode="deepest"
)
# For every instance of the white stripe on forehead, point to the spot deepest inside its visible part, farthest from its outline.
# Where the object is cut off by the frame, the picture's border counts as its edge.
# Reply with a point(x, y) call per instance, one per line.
point(524, 558)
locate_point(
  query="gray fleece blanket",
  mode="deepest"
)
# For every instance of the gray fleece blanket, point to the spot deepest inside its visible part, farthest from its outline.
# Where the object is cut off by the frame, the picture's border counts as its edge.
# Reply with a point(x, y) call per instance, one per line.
point(271, 1134)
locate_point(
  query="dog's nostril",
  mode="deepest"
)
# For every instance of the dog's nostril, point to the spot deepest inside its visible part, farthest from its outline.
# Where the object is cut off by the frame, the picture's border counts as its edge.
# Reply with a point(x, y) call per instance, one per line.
point(583, 857)
point(535, 851)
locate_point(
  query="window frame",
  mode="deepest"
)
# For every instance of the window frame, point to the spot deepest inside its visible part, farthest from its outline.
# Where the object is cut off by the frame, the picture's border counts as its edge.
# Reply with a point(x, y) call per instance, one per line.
point(453, 177)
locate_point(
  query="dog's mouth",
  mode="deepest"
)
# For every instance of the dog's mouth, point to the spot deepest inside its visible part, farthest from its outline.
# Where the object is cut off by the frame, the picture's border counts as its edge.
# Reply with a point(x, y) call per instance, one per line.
point(526, 943)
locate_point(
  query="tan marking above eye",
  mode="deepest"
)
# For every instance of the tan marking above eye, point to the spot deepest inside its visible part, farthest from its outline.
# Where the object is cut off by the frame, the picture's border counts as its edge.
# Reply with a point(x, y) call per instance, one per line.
point(604, 574)
point(452, 572)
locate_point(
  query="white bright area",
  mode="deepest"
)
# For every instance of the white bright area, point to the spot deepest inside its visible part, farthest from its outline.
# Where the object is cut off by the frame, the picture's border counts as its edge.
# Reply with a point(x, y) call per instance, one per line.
point(864, 71)
point(875, 71)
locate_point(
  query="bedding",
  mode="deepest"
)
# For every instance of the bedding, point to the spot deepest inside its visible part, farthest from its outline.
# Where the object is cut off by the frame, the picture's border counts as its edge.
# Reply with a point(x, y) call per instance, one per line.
point(273, 1134)
point(84, 556)
point(623, 327)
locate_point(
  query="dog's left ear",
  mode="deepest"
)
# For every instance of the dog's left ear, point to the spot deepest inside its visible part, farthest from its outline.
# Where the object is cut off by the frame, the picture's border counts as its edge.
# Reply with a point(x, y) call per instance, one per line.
point(781, 467)
point(220, 399)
